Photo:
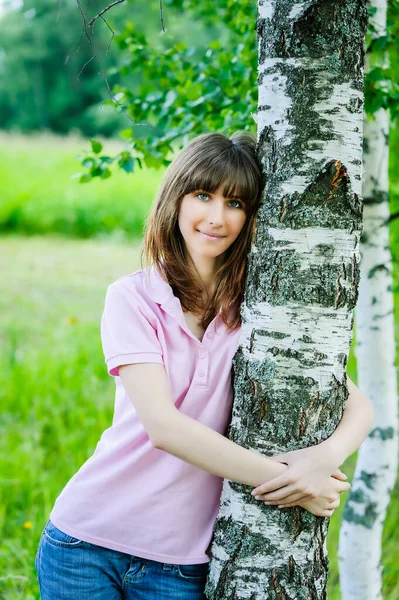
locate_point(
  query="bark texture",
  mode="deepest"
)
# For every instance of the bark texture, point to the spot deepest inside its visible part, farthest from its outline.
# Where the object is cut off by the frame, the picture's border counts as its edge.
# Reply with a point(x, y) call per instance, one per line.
point(376, 468)
point(302, 286)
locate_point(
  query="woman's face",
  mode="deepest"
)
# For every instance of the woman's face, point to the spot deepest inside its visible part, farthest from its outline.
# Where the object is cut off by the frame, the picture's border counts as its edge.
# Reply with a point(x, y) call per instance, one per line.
point(210, 223)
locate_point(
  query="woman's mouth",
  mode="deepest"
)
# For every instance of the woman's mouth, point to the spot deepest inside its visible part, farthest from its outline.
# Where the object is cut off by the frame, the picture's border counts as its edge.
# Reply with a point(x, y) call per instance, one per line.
point(209, 236)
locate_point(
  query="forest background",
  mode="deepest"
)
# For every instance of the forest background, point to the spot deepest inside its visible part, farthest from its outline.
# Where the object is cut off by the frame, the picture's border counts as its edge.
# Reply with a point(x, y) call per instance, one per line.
point(63, 240)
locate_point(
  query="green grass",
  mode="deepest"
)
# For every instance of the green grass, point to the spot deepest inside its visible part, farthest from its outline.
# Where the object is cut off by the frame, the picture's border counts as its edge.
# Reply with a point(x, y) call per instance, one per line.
point(37, 194)
point(56, 394)
point(57, 397)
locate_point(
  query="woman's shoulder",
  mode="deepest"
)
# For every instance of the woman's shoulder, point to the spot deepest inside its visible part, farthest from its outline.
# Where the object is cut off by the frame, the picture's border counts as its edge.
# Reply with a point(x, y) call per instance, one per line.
point(130, 280)
point(145, 283)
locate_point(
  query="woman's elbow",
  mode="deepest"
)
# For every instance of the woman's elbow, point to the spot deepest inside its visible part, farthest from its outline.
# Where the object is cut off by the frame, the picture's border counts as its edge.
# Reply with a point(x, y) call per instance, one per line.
point(163, 430)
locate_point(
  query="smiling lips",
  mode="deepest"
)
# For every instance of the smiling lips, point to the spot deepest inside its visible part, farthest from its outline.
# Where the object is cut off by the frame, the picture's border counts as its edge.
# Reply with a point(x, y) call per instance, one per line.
point(211, 236)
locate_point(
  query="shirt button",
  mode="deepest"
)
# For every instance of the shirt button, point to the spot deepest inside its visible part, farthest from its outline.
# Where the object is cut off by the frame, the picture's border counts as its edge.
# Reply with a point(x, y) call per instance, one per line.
point(201, 355)
point(201, 374)
point(209, 335)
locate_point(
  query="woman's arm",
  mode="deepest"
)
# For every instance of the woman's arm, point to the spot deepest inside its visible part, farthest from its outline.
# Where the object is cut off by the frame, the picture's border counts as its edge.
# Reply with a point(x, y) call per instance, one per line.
point(310, 468)
point(170, 430)
point(353, 428)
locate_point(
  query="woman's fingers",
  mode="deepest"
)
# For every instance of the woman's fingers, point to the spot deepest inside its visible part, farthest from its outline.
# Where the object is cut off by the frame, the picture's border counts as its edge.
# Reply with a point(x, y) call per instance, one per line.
point(272, 485)
point(302, 501)
point(290, 499)
point(339, 475)
point(280, 494)
point(343, 486)
point(335, 504)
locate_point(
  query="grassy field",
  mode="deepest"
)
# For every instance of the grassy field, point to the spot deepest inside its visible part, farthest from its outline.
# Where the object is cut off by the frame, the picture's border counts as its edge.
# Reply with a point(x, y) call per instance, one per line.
point(56, 393)
point(38, 195)
point(57, 397)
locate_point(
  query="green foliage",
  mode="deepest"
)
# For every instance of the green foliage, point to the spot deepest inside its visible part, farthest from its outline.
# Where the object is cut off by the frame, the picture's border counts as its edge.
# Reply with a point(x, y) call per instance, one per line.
point(207, 82)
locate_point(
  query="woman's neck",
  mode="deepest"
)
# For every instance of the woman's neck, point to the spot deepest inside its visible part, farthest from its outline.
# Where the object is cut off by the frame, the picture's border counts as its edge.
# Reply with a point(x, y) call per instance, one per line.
point(207, 273)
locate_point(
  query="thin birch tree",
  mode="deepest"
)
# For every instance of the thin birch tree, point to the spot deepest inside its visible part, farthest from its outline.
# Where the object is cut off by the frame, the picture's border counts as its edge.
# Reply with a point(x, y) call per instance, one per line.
point(376, 468)
point(302, 285)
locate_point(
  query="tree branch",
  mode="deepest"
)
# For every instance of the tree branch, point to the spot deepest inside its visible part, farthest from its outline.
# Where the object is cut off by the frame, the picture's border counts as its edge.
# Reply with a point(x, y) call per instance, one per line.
point(100, 14)
point(95, 58)
point(161, 16)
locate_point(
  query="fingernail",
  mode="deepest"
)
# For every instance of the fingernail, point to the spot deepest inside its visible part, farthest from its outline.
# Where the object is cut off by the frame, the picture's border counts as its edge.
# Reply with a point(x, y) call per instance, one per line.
point(257, 497)
point(253, 493)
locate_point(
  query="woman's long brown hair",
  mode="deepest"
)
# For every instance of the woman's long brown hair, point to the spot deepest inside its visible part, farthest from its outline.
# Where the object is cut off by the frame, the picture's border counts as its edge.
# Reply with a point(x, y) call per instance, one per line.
point(209, 161)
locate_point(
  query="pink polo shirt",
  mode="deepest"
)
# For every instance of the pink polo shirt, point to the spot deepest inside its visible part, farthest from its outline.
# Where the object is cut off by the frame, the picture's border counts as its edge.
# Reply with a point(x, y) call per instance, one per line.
point(130, 496)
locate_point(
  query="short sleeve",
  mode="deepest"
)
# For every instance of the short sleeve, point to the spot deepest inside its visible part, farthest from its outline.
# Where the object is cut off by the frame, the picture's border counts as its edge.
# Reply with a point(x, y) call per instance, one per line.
point(127, 336)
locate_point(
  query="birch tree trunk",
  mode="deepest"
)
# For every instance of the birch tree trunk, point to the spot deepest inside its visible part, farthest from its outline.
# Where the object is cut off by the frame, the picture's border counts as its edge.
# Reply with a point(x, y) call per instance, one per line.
point(364, 514)
point(302, 286)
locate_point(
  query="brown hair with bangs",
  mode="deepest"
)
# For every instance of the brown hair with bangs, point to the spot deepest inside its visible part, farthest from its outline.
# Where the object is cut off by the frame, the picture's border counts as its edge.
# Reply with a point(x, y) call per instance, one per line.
point(209, 161)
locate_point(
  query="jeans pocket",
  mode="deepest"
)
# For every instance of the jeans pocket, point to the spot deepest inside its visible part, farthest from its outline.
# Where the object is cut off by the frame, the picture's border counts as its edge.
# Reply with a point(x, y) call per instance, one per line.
point(58, 538)
point(194, 572)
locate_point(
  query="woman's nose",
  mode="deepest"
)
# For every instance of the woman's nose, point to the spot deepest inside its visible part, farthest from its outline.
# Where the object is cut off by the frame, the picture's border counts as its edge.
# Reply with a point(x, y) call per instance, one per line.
point(216, 213)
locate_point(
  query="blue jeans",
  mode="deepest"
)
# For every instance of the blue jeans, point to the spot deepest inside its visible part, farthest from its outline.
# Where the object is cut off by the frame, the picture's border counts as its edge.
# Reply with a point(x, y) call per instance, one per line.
point(70, 569)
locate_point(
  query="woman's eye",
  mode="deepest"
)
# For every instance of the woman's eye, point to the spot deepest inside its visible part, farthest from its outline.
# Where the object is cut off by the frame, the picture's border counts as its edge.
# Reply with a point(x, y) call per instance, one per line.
point(202, 196)
point(236, 203)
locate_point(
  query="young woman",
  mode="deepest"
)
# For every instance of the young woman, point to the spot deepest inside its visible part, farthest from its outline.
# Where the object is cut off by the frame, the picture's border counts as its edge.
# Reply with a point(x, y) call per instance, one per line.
point(136, 521)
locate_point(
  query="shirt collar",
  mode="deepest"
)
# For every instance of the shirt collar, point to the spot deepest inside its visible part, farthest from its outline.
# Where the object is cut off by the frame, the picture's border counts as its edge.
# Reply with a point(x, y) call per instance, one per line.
point(156, 287)
point(160, 290)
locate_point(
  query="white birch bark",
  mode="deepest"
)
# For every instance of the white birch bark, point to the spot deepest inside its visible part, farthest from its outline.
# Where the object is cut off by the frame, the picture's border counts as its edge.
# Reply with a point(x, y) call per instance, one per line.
point(302, 284)
point(376, 468)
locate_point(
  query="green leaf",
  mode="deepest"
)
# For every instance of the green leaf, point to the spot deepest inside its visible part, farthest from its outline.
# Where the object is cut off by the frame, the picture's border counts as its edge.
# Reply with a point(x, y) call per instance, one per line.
point(127, 164)
point(96, 146)
point(87, 163)
point(380, 43)
point(85, 178)
point(126, 134)
point(152, 162)
point(376, 74)
point(105, 173)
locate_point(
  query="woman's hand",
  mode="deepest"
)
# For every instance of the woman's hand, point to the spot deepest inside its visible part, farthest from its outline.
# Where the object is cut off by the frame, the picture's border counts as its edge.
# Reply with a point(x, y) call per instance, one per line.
point(310, 471)
point(324, 505)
